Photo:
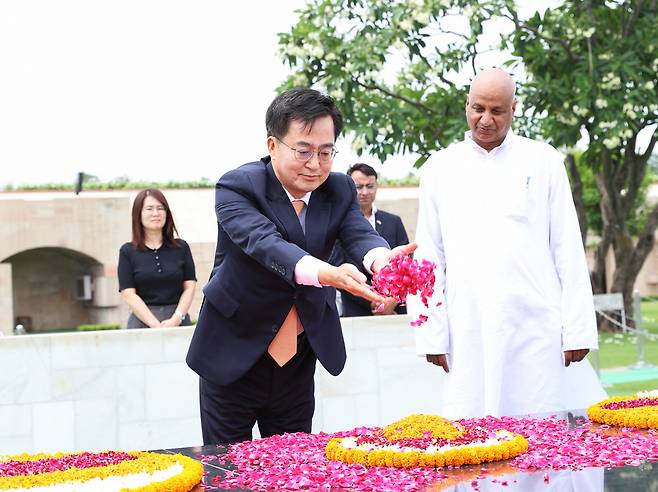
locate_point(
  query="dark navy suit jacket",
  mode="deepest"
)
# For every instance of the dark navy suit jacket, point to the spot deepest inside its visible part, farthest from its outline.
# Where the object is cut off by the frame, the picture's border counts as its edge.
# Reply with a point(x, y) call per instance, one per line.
point(252, 287)
point(390, 227)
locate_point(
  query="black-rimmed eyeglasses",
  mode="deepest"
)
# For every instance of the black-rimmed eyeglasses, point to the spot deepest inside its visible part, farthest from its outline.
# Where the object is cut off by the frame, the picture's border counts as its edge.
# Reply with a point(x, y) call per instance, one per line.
point(304, 155)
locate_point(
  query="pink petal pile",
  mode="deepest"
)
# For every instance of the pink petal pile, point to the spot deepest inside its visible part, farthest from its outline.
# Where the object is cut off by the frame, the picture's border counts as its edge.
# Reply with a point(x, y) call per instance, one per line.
point(46, 465)
point(297, 461)
point(404, 276)
point(635, 403)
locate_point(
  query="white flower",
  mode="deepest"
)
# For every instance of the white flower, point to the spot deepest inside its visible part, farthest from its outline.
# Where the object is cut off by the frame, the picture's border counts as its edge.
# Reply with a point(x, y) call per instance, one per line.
point(610, 81)
point(297, 51)
point(611, 142)
point(406, 24)
point(649, 85)
point(627, 133)
point(601, 103)
point(337, 94)
point(588, 33)
point(605, 56)
point(331, 57)
point(383, 131)
point(607, 124)
point(317, 51)
point(580, 111)
point(349, 67)
point(359, 143)
point(422, 16)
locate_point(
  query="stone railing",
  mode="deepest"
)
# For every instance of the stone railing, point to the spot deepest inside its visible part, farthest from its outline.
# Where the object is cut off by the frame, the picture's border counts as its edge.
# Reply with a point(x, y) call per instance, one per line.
point(131, 389)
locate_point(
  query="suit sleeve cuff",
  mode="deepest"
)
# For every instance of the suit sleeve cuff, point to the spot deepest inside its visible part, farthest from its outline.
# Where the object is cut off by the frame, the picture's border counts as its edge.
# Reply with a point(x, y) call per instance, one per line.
point(306, 271)
point(372, 255)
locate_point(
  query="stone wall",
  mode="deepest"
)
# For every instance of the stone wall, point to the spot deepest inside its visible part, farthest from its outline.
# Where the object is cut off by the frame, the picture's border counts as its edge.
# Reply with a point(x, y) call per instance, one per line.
point(131, 389)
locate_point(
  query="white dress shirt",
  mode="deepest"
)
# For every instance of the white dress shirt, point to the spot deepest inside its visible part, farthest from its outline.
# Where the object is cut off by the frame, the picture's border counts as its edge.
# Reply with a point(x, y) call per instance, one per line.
point(307, 268)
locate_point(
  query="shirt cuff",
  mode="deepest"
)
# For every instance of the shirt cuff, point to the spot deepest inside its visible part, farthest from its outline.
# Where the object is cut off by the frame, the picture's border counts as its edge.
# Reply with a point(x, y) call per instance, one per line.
point(372, 255)
point(306, 271)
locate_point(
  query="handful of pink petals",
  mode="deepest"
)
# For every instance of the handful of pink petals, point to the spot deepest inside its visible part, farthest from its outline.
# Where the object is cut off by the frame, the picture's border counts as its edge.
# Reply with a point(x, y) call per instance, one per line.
point(404, 276)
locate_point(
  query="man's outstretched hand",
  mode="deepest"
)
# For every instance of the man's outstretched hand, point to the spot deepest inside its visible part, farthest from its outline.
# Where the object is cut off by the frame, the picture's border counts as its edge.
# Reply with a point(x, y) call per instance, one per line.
point(574, 356)
point(380, 263)
point(348, 277)
point(439, 360)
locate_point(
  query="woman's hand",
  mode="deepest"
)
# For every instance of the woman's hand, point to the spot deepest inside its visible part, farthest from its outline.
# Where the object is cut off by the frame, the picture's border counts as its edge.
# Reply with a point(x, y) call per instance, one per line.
point(171, 322)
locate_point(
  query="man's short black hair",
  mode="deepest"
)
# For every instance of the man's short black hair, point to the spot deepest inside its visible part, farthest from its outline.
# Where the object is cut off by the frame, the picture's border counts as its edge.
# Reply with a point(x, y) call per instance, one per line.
point(362, 168)
point(300, 104)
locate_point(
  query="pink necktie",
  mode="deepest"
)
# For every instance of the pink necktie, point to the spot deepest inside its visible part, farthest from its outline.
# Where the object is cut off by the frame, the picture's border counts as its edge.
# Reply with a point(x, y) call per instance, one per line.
point(284, 346)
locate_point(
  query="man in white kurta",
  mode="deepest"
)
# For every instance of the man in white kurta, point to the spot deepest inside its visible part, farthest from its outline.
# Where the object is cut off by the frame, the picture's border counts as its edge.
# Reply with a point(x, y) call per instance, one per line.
point(496, 214)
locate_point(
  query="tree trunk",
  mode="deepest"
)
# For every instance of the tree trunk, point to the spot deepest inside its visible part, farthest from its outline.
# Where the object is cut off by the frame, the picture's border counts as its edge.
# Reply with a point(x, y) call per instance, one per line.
point(598, 273)
point(623, 279)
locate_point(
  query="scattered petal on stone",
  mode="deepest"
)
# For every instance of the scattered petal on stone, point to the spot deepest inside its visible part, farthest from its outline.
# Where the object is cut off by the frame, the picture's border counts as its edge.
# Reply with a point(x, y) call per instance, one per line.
point(298, 462)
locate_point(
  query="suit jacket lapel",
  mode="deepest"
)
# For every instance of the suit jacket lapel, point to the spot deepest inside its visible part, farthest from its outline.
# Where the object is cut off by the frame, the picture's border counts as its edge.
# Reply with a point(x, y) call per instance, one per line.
point(379, 226)
point(284, 210)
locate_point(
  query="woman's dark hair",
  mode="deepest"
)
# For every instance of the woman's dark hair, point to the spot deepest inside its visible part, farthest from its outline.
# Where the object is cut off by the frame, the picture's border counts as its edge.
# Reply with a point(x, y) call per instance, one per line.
point(301, 104)
point(169, 227)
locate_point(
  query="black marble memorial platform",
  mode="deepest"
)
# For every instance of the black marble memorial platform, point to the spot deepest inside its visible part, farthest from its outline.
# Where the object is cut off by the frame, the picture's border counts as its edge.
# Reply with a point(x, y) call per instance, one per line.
point(499, 476)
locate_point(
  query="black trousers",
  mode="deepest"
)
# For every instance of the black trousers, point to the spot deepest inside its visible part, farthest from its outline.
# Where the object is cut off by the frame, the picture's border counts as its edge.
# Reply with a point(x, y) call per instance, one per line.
point(280, 399)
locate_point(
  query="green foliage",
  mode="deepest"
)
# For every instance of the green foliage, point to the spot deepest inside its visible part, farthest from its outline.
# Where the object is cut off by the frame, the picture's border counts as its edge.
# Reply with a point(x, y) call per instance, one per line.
point(92, 183)
point(98, 327)
point(410, 179)
point(397, 69)
point(391, 67)
point(590, 66)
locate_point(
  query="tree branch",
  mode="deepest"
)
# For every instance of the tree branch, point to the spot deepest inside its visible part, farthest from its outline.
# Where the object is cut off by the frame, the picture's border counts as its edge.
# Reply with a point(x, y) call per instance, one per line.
point(632, 19)
point(549, 39)
point(415, 104)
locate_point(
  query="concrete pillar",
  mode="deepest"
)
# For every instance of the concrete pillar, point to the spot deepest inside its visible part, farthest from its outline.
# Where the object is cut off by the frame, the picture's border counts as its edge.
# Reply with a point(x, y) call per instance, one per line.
point(6, 300)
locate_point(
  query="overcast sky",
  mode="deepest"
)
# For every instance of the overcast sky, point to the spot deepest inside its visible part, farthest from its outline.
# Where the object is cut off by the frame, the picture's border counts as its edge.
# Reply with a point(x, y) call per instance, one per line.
point(151, 89)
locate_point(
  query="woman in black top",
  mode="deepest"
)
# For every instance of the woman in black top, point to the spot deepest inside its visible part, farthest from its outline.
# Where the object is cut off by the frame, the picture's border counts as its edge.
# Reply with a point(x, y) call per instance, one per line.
point(156, 270)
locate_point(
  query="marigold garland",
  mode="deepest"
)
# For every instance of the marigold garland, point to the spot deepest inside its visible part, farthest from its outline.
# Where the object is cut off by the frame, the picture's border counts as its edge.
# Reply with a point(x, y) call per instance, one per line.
point(419, 426)
point(640, 411)
point(143, 462)
point(406, 444)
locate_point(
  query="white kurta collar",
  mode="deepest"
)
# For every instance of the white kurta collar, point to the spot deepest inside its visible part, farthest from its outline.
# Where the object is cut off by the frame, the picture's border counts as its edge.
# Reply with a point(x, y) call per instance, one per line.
point(468, 137)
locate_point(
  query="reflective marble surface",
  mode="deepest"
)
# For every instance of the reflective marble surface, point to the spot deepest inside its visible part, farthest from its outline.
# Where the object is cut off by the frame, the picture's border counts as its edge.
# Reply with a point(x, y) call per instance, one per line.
point(501, 476)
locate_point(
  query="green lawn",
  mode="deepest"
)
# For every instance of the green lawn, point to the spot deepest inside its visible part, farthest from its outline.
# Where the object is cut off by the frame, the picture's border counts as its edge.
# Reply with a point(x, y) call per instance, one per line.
point(632, 387)
point(619, 351)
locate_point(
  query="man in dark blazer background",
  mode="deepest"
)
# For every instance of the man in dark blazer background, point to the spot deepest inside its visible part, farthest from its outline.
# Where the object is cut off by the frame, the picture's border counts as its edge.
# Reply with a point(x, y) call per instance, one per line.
point(269, 309)
point(389, 226)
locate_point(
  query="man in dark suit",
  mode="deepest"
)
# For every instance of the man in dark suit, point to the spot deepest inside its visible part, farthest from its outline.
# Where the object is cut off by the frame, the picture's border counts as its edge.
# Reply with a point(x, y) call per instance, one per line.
point(389, 226)
point(269, 309)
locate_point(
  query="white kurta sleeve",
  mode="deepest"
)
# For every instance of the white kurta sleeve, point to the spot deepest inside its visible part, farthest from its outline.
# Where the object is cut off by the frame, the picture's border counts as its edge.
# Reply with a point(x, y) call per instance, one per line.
point(432, 337)
point(578, 318)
